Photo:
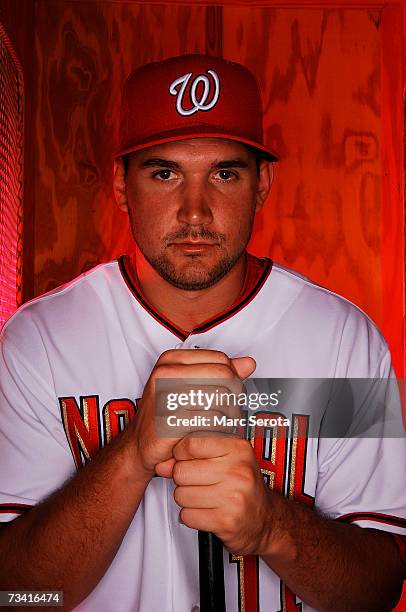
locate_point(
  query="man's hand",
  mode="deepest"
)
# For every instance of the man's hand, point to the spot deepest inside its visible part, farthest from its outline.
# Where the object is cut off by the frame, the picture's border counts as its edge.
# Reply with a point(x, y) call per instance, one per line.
point(220, 489)
point(180, 364)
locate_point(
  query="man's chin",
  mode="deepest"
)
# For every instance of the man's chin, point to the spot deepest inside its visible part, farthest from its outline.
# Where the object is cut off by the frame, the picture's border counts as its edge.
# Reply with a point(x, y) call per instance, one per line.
point(191, 284)
point(194, 275)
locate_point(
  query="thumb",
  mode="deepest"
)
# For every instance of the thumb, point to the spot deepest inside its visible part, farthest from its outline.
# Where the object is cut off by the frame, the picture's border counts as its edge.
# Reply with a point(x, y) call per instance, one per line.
point(165, 468)
point(244, 366)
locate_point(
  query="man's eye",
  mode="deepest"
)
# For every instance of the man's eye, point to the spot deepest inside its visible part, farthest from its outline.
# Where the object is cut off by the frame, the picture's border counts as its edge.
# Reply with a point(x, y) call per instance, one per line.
point(164, 175)
point(225, 175)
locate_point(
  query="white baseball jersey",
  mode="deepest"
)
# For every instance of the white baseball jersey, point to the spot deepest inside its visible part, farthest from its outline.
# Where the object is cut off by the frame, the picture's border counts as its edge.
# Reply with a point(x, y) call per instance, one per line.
point(75, 360)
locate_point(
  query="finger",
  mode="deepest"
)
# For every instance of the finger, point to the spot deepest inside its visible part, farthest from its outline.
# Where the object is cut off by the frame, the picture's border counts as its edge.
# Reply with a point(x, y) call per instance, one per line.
point(197, 370)
point(244, 366)
point(210, 446)
point(194, 422)
point(198, 518)
point(202, 472)
point(197, 386)
point(197, 472)
point(187, 356)
point(186, 395)
point(165, 468)
point(198, 497)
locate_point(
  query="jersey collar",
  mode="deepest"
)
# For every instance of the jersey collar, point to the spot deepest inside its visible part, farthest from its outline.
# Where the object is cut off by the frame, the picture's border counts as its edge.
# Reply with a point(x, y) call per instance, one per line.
point(258, 270)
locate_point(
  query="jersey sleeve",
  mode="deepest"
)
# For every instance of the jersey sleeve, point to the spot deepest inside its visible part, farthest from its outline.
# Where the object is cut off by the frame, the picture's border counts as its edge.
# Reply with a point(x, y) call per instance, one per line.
point(361, 477)
point(34, 456)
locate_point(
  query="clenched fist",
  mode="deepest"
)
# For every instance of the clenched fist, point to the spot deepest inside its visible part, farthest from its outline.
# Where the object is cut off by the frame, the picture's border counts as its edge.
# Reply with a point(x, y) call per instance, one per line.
point(180, 364)
point(220, 489)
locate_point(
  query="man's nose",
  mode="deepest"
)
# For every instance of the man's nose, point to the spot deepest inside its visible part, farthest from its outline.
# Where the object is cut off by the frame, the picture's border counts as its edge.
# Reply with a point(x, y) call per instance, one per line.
point(194, 208)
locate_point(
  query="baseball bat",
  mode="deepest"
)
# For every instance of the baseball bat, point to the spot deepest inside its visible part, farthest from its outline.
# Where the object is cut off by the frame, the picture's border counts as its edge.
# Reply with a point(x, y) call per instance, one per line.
point(211, 573)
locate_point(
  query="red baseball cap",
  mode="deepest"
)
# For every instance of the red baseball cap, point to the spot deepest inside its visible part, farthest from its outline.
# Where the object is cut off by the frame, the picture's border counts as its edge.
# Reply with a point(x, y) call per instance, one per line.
point(191, 96)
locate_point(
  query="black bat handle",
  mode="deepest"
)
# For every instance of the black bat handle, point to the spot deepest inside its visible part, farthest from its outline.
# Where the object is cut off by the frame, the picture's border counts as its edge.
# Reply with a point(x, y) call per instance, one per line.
point(211, 573)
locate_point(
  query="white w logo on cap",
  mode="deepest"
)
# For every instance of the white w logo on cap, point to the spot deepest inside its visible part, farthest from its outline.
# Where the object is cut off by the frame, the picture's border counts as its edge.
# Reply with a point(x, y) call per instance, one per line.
point(196, 104)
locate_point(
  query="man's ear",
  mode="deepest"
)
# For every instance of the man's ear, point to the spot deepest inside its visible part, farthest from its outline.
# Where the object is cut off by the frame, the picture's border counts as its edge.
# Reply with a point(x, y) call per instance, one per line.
point(264, 183)
point(119, 185)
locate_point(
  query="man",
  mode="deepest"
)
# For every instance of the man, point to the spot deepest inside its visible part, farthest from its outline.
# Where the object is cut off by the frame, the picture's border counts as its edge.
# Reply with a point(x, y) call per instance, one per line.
point(191, 171)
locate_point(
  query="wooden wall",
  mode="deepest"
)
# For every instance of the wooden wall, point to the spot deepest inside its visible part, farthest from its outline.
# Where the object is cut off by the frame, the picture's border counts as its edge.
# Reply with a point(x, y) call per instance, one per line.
point(321, 71)
point(84, 50)
point(333, 82)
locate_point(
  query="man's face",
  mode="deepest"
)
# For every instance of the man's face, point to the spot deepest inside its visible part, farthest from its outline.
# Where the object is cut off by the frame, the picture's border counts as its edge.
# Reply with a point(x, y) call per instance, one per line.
point(191, 205)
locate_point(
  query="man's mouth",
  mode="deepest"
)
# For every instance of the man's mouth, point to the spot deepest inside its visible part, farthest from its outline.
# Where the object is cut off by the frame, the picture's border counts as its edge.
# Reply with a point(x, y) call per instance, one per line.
point(194, 241)
point(193, 247)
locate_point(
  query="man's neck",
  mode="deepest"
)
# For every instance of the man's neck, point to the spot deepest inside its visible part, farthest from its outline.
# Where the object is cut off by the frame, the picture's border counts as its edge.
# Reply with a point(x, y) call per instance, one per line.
point(188, 309)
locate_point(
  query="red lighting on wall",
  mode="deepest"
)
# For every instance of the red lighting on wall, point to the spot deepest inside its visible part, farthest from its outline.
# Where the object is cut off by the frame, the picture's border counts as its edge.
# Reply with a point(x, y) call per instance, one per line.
point(11, 171)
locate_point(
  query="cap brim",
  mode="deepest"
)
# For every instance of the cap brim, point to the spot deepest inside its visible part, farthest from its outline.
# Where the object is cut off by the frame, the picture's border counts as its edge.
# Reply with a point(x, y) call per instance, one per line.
point(185, 135)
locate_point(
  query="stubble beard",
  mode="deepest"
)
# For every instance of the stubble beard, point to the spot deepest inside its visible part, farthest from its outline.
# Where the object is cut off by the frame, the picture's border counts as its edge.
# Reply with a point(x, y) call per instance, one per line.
point(194, 276)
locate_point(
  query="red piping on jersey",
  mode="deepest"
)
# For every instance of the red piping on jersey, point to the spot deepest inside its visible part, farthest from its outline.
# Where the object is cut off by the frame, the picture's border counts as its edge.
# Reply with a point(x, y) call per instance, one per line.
point(242, 301)
point(14, 508)
point(126, 274)
point(373, 516)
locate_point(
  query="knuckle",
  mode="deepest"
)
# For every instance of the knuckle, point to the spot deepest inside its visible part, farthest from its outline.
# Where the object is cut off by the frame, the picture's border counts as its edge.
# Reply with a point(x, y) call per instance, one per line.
point(243, 474)
point(222, 358)
point(160, 371)
point(236, 499)
point(166, 356)
point(225, 371)
point(178, 473)
point(247, 473)
point(179, 451)
point(178, 496)
point(245, 449)
point(164, 370)
point(185, 517)
point(229, 524)
point(193, 444)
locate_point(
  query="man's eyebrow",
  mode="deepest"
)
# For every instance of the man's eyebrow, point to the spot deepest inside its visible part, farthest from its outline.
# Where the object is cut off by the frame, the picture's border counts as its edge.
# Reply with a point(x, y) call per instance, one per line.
point(230, 163)
point(159, 162)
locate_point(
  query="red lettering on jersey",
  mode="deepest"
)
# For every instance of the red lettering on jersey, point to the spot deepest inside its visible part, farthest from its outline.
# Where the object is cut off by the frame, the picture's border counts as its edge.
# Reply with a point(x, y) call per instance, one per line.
point(297, 460)
point(288, 600)
point(117, 413)
point(270, 450)
point(270, 447)
point(82, 426)
point(248, 582)
point(295, 490)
